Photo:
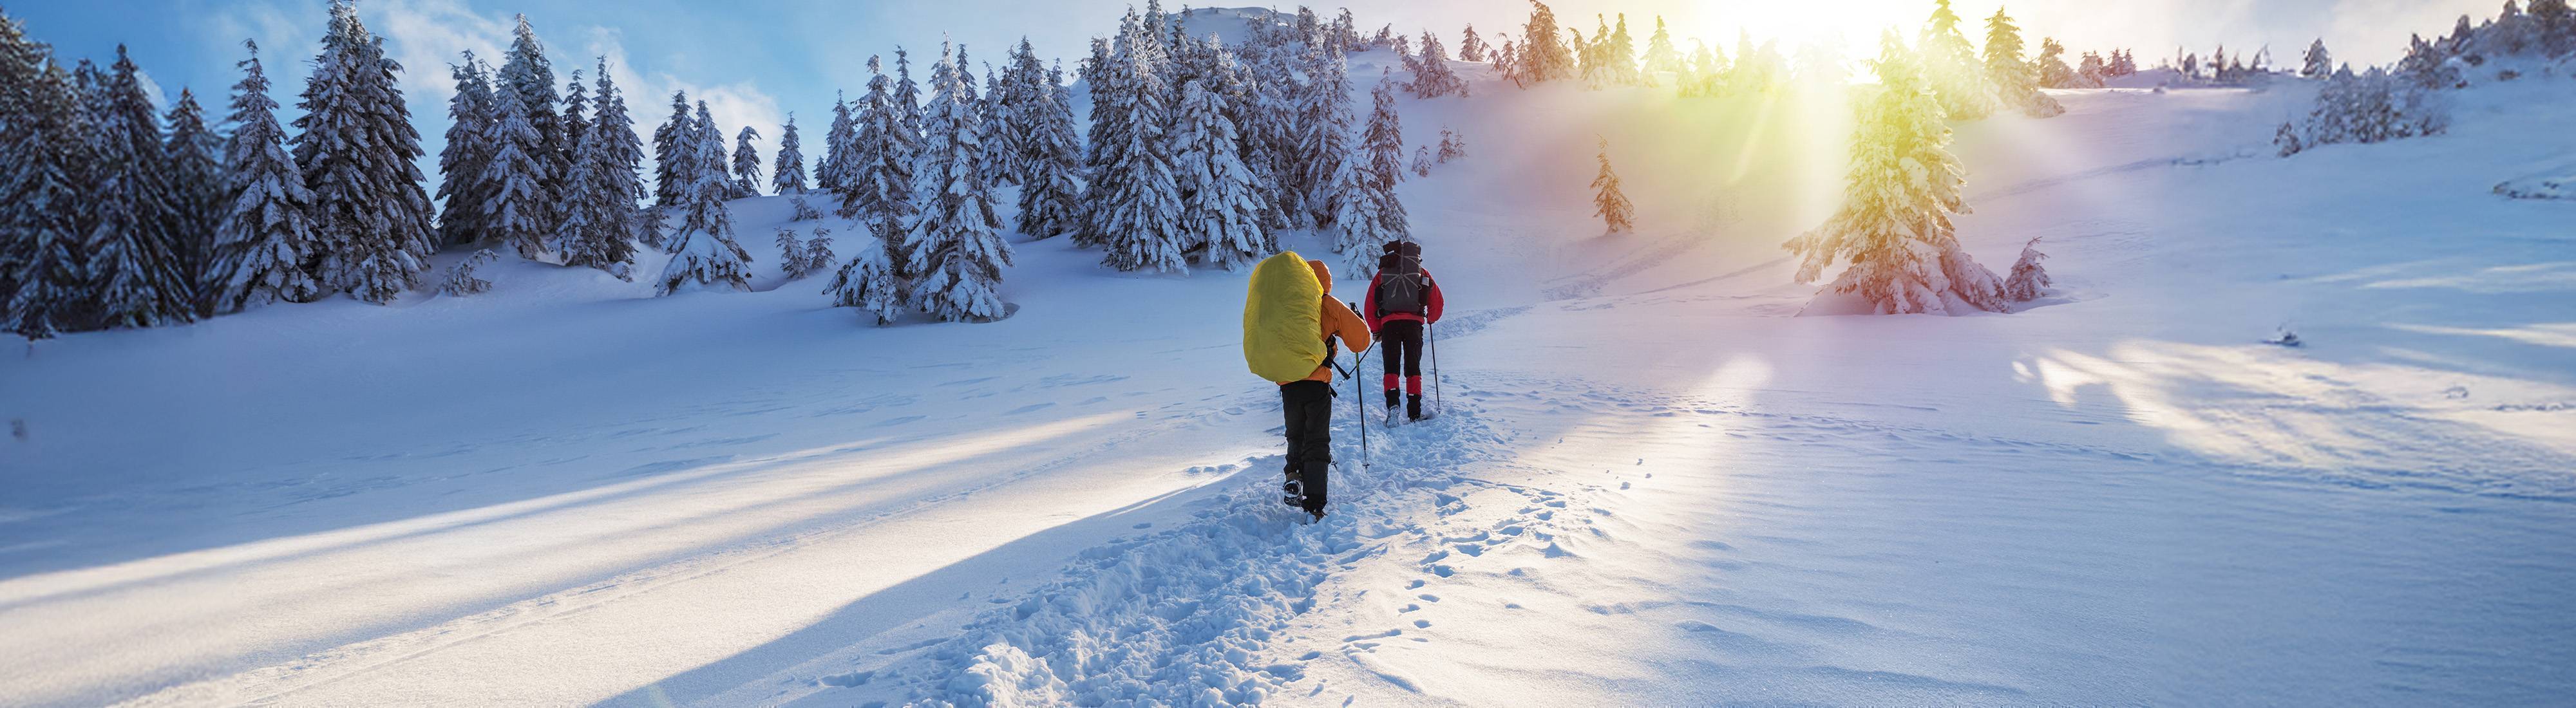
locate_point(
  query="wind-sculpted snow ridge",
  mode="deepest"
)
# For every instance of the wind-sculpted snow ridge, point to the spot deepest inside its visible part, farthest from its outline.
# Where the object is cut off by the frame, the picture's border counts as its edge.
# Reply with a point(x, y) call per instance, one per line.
point(1182, 617)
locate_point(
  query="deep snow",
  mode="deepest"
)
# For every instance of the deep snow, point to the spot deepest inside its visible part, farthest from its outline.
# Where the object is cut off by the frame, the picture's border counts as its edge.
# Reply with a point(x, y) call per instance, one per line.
point(1651, 485)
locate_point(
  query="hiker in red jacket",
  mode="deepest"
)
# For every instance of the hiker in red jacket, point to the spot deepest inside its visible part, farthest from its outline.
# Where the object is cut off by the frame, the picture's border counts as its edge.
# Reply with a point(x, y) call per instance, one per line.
point(1402, 299)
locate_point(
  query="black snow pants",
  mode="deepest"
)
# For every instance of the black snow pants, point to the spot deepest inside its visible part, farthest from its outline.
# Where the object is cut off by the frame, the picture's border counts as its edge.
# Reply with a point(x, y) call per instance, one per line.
point(1309, 407)
point(1402, 342)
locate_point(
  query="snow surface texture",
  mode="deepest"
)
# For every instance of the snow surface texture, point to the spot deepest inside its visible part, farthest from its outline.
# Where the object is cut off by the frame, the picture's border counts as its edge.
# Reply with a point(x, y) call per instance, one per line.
point(1651, 485)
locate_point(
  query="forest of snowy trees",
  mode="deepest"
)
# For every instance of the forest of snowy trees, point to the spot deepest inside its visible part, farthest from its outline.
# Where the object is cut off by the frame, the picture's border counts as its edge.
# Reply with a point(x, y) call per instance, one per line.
point(2388, 103)
point(1196, 153)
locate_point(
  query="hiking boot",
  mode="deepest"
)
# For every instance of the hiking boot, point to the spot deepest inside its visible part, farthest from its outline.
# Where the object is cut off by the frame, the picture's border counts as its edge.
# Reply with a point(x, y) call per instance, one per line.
point(1413, 406)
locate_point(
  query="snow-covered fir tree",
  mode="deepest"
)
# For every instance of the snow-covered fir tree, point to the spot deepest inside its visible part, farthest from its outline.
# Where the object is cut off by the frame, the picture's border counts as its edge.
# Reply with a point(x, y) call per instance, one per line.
point(1543, 57)
point(956, 245)
point(2093, 72)
point(1963, 85)
point(868, 283)
point(136, 276)
point(907, 95)
point(1432, 77)
point(840, 149)
point(461, 280)
point(1135, 199)
point(2015, 81)
point(529, 74)
point(1323, 150)
point(1661, 56)
point(2052, 68)
point(1894, 226)
point(1620, 50)
point(710, 139)
point(746, 163)
point(787, 172)
point(575, 121)
point(1368, 214)
point(791, 254)
point(266, 237)
point(818, 253)
point(879, 189)
point(600, 222)
point(703, 251)
point(673, 153)
point(1608, 202)
point(1220, 212)
point(513, 174)
point(194, 158)
point(1470, 46)
point(1422, 161)
point(2318, 63)
point(40, 265)
point(462, 163)
point(2029, 280)
point(1051, 185)
point(1019, 100)
point(1452, 146)
point(1507, 62)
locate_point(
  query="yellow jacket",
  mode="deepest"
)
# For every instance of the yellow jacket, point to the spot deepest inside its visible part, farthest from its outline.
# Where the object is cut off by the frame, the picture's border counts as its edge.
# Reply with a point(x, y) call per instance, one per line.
point(1339, 321)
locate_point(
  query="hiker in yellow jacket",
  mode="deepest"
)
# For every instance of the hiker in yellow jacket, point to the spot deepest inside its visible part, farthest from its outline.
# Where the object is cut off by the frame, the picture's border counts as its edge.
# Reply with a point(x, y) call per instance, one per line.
point(1306, 402)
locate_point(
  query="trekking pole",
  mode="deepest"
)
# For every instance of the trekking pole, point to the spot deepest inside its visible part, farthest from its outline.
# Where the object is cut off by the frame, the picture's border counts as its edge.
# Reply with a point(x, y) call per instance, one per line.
point(1359, 363)
point(1431, 333)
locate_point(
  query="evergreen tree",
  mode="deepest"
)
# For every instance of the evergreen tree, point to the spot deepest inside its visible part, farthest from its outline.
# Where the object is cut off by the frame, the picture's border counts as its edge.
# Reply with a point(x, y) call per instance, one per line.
point(575, 122)
point(703, 251)
point(266, 238)
point(907, 96)
point(2093, 73)
point(788, 170)
point(672, 170)
point(529, 74)
point(868, 282)
point(601, 223)
point(817, 255)
point(1470, 46)
point(840, 150)
point(2029, 279)
point(1422, 161)
point(1135, 199)
point(461, 280)
point(1542, 57)
point(1051, 192)
point(1452, 146)
point(511, 209)
point(1323, 142)
point(2319, 63)
point(746, 163)
point(1368, 213)
point(1221, 212)
point(1963, 86)
point(1621, 52)
point(879, 192)
point(1607, 201)
point(1894, 227)
point(791, 254)
point(956, 245)
point(1025, 99)
point(41, 268)
point(136, 276)
point(1660, 54)
point(462, 163)
point(1507, 62)
point(2051, 64)
point(196, 178)
point(1431, 75)
point(2015, 82)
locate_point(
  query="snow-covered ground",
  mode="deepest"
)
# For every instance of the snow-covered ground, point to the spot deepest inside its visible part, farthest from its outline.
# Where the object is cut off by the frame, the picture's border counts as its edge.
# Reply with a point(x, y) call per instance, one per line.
point(1651, 484)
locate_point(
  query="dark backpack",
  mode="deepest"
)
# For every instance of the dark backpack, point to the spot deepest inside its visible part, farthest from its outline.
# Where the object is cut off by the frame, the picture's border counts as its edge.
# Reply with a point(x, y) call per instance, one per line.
point(1400, 282)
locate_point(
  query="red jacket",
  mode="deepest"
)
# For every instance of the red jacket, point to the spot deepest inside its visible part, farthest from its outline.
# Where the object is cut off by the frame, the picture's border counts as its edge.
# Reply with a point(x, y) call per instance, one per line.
point(1430, 304)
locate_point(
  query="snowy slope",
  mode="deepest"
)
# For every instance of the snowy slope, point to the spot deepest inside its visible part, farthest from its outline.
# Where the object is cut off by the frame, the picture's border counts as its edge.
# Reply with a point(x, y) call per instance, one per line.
point(1651, 484)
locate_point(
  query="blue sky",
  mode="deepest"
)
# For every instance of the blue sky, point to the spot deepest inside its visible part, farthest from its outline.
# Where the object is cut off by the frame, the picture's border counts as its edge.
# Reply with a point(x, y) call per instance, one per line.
point(754, 61)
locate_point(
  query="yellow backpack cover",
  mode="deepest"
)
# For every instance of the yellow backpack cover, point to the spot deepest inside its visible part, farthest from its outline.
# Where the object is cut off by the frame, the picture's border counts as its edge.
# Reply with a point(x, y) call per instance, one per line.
point(1283, 319)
